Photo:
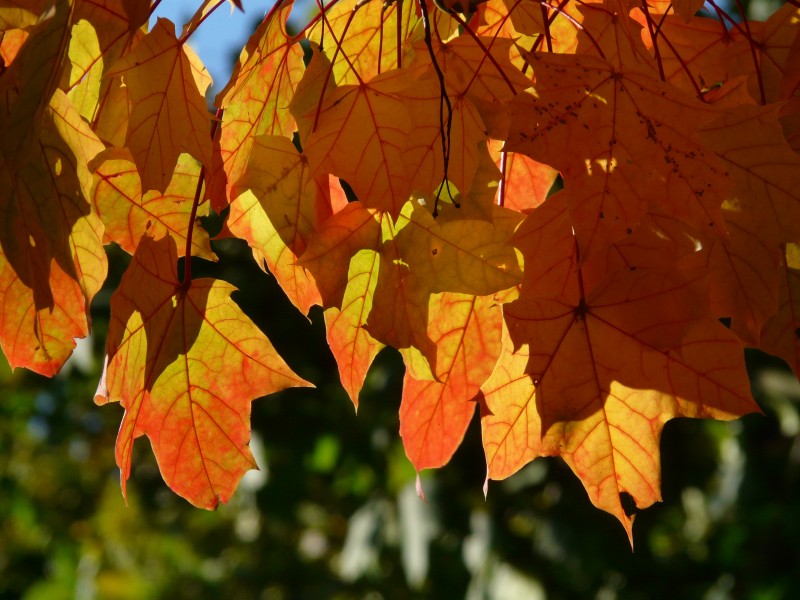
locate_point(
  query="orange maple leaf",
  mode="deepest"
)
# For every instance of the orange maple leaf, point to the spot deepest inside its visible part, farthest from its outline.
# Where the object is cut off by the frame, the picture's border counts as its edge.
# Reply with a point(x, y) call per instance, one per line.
point(51, 257)
point(256, 99)
point(166, 82)
point(377, 44)
point(589, 118)
point(781, 333)
point(593, 373)
point(352, 345)
point(279, 214)
point(185, 362)
point(361, 134)
point(434, 414)
point(128, 214)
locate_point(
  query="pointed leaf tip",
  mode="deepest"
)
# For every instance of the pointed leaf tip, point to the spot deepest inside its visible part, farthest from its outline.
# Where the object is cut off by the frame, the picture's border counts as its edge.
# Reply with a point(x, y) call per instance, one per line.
point(420, 491)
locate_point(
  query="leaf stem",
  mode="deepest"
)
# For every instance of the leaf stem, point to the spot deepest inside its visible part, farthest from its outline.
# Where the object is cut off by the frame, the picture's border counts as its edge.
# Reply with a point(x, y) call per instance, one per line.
point(444, 100)
point(654, 37)
point(198, 193)
point(353, 12)
point(486, 54)
point(188, 33)
point(753, 53)
point(501, 191)
point(153, 8)
point(547, 35)
point(399, 26)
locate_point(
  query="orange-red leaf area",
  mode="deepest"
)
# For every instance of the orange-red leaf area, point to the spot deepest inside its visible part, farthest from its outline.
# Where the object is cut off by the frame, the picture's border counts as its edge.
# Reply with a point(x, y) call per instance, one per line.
point(550, 211)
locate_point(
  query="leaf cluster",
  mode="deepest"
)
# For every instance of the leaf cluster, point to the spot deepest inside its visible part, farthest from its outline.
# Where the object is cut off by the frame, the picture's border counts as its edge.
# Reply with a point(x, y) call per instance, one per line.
point(571, 215)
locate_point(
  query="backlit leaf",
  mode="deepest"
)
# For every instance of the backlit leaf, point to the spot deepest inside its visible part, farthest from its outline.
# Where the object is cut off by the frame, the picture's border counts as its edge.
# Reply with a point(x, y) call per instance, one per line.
point(592, 380)
point(256, 100)
point(371, 47)
point(166, 82)
point(128, 214)
point(279, 216)
point(361, 135)
point(781, 333)
point(51, 257)
point(525, 182)
point(185, 363)
point(434, 415)
point(350, 342)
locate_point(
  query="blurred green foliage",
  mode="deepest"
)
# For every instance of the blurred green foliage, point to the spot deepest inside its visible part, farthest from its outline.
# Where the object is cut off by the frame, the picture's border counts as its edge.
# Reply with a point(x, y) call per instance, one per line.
point(333, 513)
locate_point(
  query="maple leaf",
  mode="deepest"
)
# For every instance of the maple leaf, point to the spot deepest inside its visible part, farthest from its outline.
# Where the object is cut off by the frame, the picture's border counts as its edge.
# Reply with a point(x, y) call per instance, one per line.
point(593, 373)
point(185, 362)
point(376, 45)
point(781, 333)
point(51, 257)
point(361, 136)
point(128, 214)
point(350, 342)
point(166, 82)
point(280, 214)
point(418, 256)
point(434, 414)
point(256, 100)
point(421, 256)
point(589, 119)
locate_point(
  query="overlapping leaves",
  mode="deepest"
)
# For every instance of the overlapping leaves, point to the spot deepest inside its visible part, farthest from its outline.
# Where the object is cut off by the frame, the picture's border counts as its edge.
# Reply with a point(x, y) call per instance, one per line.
point(546, 210)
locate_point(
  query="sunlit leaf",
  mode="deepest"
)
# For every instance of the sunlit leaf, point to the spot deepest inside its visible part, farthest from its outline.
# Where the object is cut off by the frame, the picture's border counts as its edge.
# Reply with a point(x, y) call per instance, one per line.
point(280, 214)
point(128, 214)
point(371, 47)
point(525, 182)
point(434, 415)
point(750, 142)
point(186, 363)
point(52, 261)
point(614, 122)
point(350, 342)
point(256, 100)
point(166, 82)
point(594, 377)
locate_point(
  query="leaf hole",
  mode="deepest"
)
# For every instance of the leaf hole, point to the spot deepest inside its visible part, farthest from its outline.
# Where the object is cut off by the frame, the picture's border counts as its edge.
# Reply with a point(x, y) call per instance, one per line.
point(628, 504)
